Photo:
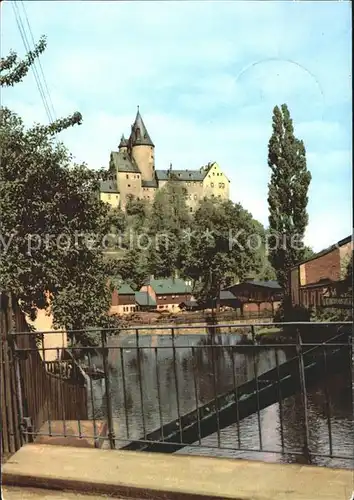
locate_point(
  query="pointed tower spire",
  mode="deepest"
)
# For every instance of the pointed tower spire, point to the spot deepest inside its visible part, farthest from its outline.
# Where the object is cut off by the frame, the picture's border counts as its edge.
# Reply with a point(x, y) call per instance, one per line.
point(123, 142)
point(139, 134)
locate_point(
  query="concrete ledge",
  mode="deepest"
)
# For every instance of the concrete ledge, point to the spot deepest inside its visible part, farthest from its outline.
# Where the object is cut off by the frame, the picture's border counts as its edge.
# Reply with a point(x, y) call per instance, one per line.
point(170, 477)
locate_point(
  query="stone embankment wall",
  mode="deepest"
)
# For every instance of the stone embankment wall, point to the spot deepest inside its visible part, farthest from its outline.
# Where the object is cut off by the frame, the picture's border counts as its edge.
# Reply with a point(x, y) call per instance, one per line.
point(195, 329)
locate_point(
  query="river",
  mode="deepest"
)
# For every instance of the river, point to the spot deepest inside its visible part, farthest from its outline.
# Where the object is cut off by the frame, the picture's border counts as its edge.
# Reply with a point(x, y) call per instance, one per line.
point(144, 398)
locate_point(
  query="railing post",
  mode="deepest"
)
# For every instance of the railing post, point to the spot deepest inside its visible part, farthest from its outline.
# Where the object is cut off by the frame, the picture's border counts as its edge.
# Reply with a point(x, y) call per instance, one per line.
point(107, 381)
point(253, 335)
point(306, 449)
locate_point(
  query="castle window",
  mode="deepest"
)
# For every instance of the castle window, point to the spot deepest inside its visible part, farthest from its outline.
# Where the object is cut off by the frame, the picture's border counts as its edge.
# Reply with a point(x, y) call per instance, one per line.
point(117, 197)
point(127, 176)
point(212, 184)
point(195, 197)
point(109, 196)
point(128, 185)
point(137, 134)
point(191, 209)
point(137, 176)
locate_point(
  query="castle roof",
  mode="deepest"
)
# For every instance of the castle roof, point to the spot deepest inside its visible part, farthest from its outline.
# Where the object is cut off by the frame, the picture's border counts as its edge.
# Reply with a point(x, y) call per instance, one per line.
point(139, 135)
point(149, 184)
point(109, 187)
point(181, 175)
point(123, 142)
point(123, 163)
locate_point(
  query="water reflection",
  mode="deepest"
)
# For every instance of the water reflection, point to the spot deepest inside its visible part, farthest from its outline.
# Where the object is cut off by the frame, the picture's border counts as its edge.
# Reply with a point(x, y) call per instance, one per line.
point(146, 381)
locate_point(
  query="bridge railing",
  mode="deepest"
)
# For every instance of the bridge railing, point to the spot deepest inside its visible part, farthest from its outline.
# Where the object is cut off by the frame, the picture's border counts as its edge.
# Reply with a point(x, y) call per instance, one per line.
point(212, 390)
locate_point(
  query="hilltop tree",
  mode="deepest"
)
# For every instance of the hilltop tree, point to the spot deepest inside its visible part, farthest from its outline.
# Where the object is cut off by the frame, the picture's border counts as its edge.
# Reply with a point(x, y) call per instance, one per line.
point(287, 195)
point(52, 222)
point(221, 246)
point(169, 217)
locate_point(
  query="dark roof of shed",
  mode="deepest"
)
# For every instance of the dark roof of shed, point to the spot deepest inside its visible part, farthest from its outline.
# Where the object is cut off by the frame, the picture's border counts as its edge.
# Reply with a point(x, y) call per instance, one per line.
point(226, 295)
point(266, 284)
point(274, 285)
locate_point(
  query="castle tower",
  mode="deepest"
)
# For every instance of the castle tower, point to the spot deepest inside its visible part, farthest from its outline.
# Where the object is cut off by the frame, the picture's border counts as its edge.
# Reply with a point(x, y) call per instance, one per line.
point(142, 148)
point(123, 145)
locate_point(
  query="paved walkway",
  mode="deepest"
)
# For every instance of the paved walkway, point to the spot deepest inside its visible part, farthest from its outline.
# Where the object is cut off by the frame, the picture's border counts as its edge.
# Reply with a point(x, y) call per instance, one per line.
point(171, 477)
point(17, 493)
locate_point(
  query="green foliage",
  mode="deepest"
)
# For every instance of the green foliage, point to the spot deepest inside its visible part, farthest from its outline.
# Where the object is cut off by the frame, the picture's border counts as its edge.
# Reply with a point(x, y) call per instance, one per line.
point(307, 253)
point(16, 69)
point(192, 246)
point(289, 313)
point(168, 219)
point(136, 211)
point(52, 222)
point(220, 246)
point(287, 195)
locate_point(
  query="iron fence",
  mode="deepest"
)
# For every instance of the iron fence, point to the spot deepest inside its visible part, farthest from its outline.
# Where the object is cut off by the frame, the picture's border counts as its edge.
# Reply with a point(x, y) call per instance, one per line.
point(213, 390)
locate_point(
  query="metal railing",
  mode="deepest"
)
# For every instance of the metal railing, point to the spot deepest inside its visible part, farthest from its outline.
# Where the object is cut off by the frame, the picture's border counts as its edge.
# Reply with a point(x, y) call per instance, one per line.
point(210, 391)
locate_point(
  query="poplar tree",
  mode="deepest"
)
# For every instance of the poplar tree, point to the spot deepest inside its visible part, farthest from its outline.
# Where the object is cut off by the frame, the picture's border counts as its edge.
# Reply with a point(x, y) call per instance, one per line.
point(287, 195)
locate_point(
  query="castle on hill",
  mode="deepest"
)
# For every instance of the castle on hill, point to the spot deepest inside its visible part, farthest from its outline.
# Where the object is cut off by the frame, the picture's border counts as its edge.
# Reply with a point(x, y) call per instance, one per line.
point(132, 173)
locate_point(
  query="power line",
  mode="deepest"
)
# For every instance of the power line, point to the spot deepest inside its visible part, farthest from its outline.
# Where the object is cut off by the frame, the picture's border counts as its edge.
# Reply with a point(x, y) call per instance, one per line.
point(39, 61)
point(34, 68)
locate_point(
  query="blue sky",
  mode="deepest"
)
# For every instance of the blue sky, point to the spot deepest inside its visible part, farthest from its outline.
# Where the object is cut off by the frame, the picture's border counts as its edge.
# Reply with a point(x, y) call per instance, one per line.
point(206, 76)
